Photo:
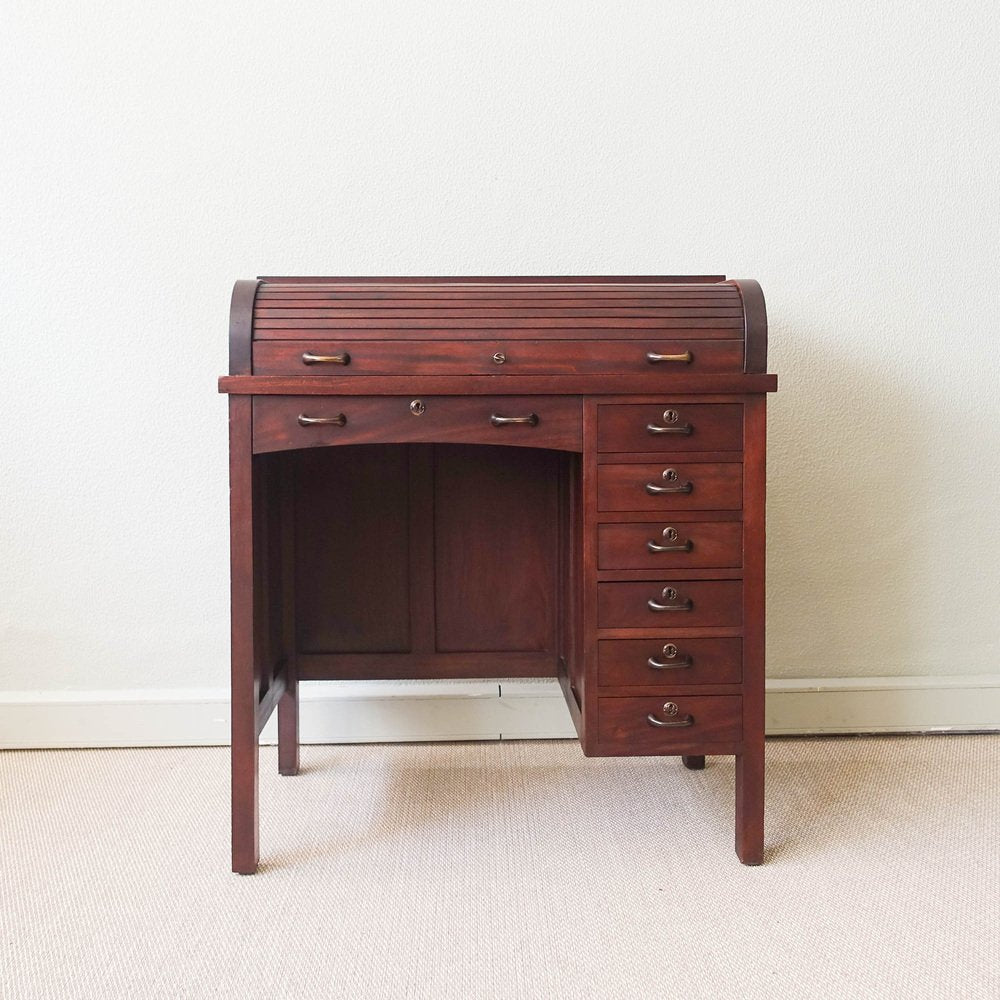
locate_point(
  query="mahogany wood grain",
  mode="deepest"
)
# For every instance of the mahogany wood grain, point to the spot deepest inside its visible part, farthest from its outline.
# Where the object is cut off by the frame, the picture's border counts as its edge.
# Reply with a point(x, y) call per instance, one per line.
point(602, 281)
point(522, 357)
point(713, 426)
point(714, 486)
point(496, 541)
point(702, 544)
point(444, 419)
point(626, 605)
point(624, 663)
point(625, 721)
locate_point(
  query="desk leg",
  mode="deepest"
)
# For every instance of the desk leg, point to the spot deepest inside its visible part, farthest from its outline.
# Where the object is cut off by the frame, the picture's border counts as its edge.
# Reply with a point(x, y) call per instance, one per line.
point(750, 806)
point(243, 684)
point(288, 726)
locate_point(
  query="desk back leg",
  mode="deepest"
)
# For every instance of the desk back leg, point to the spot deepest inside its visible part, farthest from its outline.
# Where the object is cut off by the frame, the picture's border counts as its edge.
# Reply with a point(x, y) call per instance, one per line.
point(288, 704)
point(244, 687)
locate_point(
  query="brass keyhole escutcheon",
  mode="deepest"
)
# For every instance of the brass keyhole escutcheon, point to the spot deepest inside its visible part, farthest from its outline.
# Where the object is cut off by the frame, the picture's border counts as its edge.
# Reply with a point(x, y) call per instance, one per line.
point(670, 534)
point(670, 651)
point(417, 407)
point(670, 475)
point(670, 416)
point(499, 358)
point(669, 594)
point(669, 708)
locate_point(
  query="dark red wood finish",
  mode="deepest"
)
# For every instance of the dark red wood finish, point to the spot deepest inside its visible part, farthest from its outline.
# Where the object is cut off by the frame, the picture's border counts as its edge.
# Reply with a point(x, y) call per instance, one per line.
point(412, 541)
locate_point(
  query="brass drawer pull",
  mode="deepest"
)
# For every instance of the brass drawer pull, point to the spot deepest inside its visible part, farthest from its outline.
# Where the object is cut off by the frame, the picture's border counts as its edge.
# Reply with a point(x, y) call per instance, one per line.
point(670, 709)
point(670, 594)
point(531, 420)
point(670, 475)
point(657, 429)
point(338, 421)
point(685, 359)
point(676, 665)
point(670, 535)
point(326, 359)
point(670, 425)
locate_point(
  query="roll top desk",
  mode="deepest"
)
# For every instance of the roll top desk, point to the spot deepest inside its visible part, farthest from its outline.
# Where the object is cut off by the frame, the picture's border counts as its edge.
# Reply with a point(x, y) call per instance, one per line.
point(503, 477)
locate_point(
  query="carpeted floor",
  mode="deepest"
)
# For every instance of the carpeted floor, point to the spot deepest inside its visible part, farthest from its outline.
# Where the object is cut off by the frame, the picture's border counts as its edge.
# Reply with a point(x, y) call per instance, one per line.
point(511, 870)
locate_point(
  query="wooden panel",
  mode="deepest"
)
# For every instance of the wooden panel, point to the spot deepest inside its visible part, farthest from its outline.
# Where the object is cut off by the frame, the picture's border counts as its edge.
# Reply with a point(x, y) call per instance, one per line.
point(624, 721)
point(713, 602)
point(572, 357)
point(714, 486)
point(625, 662)
point(704, 544)
point(688, 427)
point(351, 543)
point(497, 524)
point(390, 419)
point(291, 329)
point(415, 666)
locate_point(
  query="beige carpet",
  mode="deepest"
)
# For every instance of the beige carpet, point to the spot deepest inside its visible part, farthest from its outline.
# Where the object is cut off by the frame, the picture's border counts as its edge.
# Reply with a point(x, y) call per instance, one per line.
point(513, 870)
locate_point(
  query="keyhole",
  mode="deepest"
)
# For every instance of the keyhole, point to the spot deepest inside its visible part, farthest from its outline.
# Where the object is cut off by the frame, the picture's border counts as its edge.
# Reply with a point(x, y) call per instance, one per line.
point(669, 708)
point(669, 650)
point(670, 416)
point(669, 594)
point(670, 475)
point(417, 407)
point(670, 534)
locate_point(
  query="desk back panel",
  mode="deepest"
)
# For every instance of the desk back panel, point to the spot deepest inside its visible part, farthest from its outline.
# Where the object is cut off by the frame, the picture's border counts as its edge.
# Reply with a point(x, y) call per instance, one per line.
point(413, 559)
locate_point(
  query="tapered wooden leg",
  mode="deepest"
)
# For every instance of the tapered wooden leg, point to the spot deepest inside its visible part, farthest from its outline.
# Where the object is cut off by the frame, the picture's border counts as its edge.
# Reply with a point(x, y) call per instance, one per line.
point(288, 727)
point(694, 763)
point(750, 806)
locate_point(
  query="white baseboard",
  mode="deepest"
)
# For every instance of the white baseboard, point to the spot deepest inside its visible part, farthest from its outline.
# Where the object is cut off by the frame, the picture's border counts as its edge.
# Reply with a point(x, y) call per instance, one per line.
point(404, 711)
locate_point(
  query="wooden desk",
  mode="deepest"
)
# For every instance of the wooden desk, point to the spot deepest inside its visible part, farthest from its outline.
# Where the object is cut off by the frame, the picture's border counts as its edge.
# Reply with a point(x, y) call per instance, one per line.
point(503, 477)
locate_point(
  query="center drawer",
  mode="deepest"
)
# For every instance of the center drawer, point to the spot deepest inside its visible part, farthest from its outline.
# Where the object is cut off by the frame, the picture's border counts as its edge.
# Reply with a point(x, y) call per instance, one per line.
point(284, 422)
point(495, 357)
point(670, 604)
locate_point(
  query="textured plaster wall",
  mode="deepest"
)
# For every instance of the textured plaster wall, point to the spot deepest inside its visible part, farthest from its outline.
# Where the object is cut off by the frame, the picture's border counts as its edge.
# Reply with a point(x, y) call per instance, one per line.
point(842, 153)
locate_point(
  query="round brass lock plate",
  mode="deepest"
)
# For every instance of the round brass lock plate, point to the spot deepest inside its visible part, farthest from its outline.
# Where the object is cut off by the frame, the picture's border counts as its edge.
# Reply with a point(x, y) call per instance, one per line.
point(669, 594)
point(670, 416)
point(669, 650)
point(417, 407)
point(670, 475)
point(670, 534)
point(499, 358)
point(669, 708)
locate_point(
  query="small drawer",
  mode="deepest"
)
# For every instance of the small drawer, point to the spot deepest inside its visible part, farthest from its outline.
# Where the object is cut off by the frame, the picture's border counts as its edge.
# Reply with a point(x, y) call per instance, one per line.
point(670, 545)
point(653, 724)
point(670, 486)
point(670, 427)
point(670, 604)
point(668, 662)
point(284, 422)
point(495, 357)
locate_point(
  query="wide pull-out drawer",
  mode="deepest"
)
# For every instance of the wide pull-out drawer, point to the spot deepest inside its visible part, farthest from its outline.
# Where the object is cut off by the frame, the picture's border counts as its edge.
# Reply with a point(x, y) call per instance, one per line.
point(495, 357)
point(284, 422)
point(670, 545)
point(652, 724)
point(667, 486)
point(674, 604)
point(670, 427)
point(669, 662)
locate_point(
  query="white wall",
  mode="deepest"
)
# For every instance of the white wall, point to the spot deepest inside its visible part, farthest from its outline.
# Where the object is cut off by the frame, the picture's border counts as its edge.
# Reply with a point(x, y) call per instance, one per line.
point(841, 153)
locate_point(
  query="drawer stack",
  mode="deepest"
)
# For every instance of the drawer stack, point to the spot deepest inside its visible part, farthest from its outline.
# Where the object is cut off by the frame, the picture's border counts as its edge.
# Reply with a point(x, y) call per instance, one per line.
point(664, 549)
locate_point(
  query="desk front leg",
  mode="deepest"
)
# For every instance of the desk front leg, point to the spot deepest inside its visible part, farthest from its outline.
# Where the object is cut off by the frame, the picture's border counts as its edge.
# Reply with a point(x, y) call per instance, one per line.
point(244, 684)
